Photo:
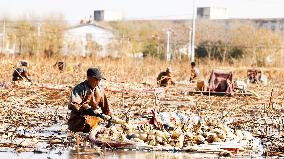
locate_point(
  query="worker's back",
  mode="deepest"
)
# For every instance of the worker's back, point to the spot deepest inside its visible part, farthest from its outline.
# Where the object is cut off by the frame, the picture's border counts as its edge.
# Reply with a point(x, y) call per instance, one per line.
point(19, 73)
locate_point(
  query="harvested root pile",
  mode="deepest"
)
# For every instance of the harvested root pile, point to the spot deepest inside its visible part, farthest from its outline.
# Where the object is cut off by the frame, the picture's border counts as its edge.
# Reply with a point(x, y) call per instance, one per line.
point(263, 117)
point(194, 135)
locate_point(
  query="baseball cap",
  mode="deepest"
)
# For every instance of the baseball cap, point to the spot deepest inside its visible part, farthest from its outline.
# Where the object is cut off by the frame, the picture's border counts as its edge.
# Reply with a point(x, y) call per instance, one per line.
point(95, 72)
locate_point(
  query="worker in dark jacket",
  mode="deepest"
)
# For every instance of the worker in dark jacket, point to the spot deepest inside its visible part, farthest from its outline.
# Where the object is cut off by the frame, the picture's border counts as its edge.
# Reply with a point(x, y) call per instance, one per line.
point(60, 65)
point(21, 73)
point(85, 99)
point(165, 78)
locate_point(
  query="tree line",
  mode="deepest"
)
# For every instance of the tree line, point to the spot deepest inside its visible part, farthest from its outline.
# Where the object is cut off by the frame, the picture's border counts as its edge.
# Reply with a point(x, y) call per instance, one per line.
point(215, 40)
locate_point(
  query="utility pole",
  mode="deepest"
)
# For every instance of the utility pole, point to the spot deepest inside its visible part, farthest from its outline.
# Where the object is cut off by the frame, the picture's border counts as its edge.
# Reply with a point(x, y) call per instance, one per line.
point(281, 55)
point(168, 54)
point(38, 39)
point(193, 33)
point(189, 44)
point(158, 44)
point(3, 35)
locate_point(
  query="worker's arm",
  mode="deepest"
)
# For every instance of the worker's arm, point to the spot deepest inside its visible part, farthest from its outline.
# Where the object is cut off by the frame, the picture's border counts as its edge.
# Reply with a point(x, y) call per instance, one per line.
point(76, 102)
point(100, 99)
point(172, 82)
point(104, 105)
point(159, 78)
point(26, 75)
point(95, 97)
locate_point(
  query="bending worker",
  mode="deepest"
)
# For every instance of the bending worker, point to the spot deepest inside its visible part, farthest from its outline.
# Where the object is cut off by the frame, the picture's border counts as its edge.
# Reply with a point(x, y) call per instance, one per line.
point(85, 99)
point(165, 78)
point(21, 73)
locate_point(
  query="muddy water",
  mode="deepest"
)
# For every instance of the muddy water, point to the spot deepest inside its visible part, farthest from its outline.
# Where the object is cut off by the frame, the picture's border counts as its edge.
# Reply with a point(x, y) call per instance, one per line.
point(116, 154)
point(128, 154)
point(32, 155)
point(147, 155)
point(119, 154)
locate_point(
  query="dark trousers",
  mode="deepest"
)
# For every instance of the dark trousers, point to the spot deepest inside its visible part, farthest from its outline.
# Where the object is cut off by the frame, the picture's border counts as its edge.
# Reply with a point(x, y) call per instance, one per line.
point(90, 112)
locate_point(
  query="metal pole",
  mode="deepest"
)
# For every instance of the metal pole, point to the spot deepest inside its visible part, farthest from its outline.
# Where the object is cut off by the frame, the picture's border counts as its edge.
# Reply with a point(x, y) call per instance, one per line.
point(168, 46)
point(281, 56)
point(158, 45)
point(189, 44)
point(38, 39)
point(193, 33)
point(4, 34)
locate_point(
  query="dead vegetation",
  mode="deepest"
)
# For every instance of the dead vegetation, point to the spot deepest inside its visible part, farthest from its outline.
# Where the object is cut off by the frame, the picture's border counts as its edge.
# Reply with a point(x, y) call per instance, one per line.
point(33, 118)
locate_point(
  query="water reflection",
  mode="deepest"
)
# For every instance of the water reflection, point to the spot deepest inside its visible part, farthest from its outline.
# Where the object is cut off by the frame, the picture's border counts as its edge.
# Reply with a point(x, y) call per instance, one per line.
point(124, 154)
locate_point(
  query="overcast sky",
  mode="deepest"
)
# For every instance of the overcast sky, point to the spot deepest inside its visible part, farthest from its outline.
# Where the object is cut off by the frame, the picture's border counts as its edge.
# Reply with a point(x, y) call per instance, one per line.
point(74, 10)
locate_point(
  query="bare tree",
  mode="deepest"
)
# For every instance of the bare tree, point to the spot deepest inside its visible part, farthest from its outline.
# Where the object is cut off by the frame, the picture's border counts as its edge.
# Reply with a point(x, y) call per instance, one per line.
point(53, 28)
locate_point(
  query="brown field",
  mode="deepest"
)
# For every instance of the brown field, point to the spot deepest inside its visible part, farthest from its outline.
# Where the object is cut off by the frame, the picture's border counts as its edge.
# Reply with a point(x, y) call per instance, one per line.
point(262, 116)
point(121, 70)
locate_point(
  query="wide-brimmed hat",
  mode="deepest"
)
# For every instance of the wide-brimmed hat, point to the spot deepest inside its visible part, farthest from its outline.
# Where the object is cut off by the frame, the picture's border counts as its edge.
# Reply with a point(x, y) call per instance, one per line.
point(95, 72)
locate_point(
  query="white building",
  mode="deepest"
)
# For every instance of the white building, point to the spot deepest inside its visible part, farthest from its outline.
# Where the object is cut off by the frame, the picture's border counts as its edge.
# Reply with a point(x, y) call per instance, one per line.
point(212, 13)
point(78, 38)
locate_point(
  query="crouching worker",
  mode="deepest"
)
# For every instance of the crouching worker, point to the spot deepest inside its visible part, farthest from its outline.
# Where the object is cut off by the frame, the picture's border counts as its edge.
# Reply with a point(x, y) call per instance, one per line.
point(194, 73)
point(85, 99)
point(60, 65)
point(165, 78)
point(21, 73)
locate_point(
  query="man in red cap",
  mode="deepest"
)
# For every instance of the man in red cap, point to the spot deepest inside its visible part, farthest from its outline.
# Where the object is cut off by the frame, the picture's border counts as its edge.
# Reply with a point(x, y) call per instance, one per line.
point(85, 98)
